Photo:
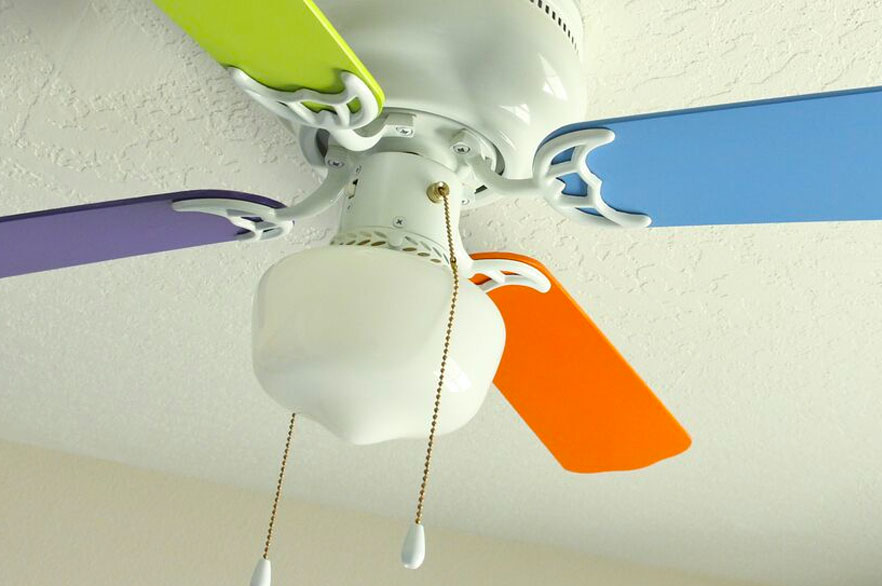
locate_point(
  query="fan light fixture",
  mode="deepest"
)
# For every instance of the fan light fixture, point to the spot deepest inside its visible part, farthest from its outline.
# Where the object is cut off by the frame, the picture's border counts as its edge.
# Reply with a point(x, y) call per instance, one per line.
point(350, 336)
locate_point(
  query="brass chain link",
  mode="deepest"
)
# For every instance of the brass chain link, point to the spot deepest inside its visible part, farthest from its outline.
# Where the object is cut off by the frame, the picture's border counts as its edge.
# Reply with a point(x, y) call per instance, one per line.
point(272, 520)
point(440, 191)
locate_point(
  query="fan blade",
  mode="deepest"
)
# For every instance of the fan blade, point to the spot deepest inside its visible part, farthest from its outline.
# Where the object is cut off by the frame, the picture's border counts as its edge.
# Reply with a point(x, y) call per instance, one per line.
point(802, 159)
point(571, 386)
point(283, 44)
point(64, 237)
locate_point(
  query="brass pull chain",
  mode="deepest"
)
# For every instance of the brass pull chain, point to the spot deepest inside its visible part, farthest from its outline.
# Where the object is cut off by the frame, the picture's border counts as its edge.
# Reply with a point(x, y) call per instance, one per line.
point(272, 520)
point(262, 575)
point(440, 192)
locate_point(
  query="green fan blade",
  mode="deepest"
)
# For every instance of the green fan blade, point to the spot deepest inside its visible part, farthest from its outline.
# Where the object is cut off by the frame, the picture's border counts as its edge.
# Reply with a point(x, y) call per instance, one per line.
point(283, 44)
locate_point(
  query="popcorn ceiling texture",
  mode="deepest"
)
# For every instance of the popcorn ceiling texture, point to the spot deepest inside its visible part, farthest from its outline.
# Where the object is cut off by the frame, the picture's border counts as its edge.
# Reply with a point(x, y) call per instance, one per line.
point(763, 340)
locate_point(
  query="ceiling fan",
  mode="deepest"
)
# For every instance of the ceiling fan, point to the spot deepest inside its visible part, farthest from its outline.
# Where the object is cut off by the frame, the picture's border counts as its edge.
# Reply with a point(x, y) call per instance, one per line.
point(479, 103)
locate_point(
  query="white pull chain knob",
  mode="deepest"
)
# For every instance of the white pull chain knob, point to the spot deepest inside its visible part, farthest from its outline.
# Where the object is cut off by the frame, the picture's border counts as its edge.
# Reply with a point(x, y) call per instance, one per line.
point(413, 551)
point(263, 573)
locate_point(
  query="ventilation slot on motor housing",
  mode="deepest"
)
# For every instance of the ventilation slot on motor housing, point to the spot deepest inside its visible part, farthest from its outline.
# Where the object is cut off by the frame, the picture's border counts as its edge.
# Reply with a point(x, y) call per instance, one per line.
point(557, 18)
point(398, 240)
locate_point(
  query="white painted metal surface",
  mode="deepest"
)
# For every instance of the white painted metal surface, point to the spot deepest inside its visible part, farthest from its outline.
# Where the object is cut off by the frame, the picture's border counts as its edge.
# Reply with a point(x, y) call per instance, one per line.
point(504, 68)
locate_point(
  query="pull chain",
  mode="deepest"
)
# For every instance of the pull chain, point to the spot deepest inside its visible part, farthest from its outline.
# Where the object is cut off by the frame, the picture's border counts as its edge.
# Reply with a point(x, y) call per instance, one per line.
point(443, 192)
point(413, 552)
point(272, 520)
point(262, 572)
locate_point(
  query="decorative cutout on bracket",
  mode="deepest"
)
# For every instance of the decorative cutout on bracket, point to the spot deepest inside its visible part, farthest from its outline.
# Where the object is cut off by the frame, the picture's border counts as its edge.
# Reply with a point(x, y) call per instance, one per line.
point(550, 167)
point(259, 221)
point(564, 156)
point(501, 272)
point(354, 107)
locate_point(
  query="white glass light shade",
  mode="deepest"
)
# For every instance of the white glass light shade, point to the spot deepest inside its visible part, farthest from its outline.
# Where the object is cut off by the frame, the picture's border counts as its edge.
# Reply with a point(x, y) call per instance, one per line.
point(352, 338)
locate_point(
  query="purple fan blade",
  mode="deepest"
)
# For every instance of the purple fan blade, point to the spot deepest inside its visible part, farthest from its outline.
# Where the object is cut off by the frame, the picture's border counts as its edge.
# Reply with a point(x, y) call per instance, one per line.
point(64, 237)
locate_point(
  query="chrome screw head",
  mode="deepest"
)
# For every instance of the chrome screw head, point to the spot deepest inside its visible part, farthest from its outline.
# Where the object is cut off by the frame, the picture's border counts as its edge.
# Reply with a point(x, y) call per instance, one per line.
point(461, 148)
point(405, 131)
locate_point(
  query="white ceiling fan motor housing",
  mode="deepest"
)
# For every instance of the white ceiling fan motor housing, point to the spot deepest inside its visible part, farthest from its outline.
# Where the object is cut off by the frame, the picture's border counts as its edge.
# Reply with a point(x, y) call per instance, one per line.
point(509, 70)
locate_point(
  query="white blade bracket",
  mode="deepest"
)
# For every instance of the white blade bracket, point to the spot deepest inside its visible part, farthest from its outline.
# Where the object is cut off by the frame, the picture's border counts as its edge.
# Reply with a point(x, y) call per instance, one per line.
point(548, 175)
point(257, 220)
point(262, 222)
point(340, 114)
point(502, 272)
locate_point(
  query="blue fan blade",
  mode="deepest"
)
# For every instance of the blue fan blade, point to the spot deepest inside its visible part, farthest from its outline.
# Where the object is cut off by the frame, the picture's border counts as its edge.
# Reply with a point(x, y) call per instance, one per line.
point(803, 159)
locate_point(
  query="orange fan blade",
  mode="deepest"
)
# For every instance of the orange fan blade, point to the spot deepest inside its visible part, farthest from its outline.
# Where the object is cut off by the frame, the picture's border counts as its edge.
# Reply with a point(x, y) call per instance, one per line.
point(572, 387)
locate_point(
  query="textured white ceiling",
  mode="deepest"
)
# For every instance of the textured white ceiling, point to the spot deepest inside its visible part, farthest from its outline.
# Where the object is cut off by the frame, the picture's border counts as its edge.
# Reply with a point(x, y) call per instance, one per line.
point(765, 340)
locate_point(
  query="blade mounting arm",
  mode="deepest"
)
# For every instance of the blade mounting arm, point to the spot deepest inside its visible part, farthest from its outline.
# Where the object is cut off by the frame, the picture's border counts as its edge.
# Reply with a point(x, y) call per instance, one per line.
point(341, 114)
point(256, 219)
point(354, 107)
point(557, 161)
point(263, 222)
point(500, 272)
